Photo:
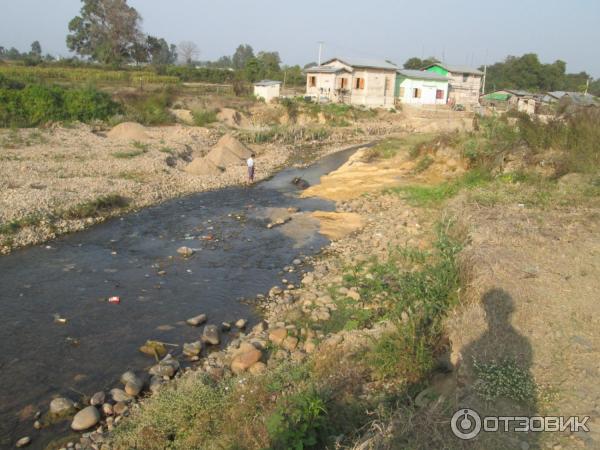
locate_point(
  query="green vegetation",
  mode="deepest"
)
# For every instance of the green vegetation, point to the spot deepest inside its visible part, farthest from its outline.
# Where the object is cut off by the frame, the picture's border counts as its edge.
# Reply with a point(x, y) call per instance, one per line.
point(95, 208)
point(33, 105)
point(285, 134)
point(83, 75)
point(415, 291)
point(149, 109)
point(204, 117)
point(423, 164)
point(504, 379)
point(433, 195)
point(298, 421)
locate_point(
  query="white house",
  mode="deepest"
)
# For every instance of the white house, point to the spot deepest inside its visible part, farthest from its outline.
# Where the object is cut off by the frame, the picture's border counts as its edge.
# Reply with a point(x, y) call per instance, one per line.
point(353, 80)
point(267, 89)
point(418, 87)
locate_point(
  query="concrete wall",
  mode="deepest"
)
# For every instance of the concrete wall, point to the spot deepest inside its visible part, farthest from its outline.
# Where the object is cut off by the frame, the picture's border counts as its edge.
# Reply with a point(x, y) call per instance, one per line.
point(464, 90)
point(428, 89)
point(378, 88)
point(377, 91)
point(268, 92)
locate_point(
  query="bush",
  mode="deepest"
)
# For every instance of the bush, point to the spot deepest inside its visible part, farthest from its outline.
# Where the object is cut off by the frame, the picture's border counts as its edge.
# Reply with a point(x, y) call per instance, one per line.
point(151, 109)
point(297, 421)
point(204, 117)
point(34, 105)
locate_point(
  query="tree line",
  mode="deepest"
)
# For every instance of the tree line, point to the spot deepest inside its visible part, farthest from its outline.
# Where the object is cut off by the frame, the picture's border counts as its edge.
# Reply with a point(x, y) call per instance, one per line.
point(526, 73)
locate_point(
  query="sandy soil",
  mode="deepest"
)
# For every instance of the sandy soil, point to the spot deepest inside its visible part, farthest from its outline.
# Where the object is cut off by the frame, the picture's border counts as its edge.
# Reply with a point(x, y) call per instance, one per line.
point(65, 167)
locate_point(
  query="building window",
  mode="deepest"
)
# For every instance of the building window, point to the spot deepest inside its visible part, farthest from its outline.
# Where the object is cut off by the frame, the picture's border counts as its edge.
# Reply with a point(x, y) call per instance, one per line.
point(402, 92)
point(360, 83)
point(416, 93)
point(343, 83)
point(465, 77)
point(439, 94)
point(312, 81)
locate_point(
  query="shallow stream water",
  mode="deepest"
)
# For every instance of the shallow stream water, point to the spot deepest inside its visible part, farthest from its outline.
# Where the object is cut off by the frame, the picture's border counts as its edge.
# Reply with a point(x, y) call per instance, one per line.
point(134, 257)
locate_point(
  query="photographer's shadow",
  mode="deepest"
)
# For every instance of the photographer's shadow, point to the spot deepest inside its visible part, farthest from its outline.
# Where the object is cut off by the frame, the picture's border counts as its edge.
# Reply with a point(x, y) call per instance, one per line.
point(496, 368)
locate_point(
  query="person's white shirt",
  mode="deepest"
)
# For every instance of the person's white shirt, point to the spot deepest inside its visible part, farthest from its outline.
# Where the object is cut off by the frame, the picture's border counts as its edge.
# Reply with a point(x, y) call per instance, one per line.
point(250, 162)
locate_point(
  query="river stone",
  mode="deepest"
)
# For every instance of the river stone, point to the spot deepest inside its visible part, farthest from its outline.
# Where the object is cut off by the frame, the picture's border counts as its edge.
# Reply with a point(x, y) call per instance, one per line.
point(241, 324)
point(155, 384)
point(210, 335)
point(310, 346)
point(246, 357)
point(61, 405)
point(119, 395)
point(186, 252)
point(225, 326)
point(134, 387)
point(120, 408)
point(277, 335)
point(107, 409)
point(86, 418)
point(196, 321)
point(258, 368)
point(23, 442)
point(165, 368)
point(154, 348)
point(290, 343)
point(98, 398)
point(192, 349)
point(128, 377)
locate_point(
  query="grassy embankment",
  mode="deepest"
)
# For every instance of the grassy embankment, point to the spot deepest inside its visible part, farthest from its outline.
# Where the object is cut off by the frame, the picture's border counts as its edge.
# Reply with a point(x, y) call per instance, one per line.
point(321, 403)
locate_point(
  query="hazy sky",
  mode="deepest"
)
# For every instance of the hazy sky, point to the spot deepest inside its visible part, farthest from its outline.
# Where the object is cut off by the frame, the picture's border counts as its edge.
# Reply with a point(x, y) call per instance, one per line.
point(461, 31)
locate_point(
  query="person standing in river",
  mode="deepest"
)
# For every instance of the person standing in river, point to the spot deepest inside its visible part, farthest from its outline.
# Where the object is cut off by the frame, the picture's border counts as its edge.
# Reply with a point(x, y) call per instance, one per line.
point(250, 163)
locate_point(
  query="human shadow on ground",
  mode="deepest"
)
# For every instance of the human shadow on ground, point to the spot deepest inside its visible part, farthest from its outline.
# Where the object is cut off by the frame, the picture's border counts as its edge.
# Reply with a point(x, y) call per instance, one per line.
point(496, 378)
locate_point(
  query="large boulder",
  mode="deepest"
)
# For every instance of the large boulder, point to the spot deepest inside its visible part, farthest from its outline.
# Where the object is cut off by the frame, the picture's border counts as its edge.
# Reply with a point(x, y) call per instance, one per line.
point(245, 357)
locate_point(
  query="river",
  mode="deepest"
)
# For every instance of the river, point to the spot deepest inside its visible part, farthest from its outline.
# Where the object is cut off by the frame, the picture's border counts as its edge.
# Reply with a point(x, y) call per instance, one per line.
point(134, 258)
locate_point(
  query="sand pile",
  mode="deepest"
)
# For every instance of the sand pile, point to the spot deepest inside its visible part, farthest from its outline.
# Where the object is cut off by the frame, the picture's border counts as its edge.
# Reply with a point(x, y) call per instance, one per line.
point(229, 152)
point(202, 166)
point(128, 131)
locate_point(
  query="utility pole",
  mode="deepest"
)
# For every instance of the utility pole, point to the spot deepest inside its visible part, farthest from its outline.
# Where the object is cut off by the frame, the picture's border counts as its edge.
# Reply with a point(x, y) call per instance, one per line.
point(484, 77)
point(587, 86)
point(320, 51)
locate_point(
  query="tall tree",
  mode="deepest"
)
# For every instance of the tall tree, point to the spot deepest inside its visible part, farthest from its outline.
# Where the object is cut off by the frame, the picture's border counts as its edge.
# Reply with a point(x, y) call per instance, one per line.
point(241, 56)
point(188, 52)
point(36, 49)
point(106, 31)
point(160, 53)
point(270, 64)
point(415, 63)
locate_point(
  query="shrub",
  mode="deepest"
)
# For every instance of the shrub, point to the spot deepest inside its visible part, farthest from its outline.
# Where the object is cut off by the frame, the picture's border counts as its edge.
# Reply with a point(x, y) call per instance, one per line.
point(297, 421)
point(33, 105)
point(204, 117)
point(151, 109)
point(96, 207)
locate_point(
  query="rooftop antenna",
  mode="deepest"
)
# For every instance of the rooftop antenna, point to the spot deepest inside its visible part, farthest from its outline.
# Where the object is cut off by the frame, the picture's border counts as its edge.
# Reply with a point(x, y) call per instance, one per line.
point(320, 50)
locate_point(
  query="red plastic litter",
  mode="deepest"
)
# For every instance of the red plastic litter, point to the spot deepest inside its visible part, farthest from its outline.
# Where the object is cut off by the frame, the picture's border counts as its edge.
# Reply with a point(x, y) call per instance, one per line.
point(114, 300)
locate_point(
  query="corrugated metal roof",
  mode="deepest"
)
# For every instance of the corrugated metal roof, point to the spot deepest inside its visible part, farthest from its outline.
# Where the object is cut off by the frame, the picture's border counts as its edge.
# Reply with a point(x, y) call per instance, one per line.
point(325, 69)
point(422, 74)
point(365, 62)
point(457, 68)
point(267, 83)
point(520, 93)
